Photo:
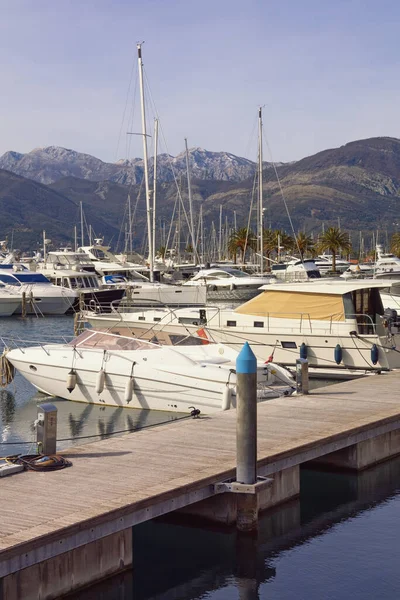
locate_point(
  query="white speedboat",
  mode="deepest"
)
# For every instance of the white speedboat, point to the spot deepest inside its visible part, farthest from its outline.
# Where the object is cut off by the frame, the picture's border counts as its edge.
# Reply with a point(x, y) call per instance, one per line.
point(226, 283)
point(42, 297)
point(104, 368)
point(339, 326)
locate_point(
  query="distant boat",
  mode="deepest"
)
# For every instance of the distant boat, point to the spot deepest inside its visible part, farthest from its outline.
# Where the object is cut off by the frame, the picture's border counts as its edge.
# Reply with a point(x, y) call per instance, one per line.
point(42, 297)
point(324, 264)
point(387, 265)
point(226, 283)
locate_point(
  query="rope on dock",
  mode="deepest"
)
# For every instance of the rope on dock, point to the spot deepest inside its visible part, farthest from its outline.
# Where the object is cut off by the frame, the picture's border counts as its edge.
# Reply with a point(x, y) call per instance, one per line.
point(40, 462)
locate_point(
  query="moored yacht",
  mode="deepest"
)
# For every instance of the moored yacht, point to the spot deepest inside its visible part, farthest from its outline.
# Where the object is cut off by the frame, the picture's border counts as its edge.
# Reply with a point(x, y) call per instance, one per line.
point(108, 369)
point(387, 265)
point(339, 326)
point(141, 291)
point(71, 270)
point(324, 264)
point(42, 297)
point(227, 283)
point(296, 270)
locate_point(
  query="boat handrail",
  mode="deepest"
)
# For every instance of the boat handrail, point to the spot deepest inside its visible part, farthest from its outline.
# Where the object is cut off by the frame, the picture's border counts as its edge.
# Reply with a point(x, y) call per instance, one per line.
point(16, 341)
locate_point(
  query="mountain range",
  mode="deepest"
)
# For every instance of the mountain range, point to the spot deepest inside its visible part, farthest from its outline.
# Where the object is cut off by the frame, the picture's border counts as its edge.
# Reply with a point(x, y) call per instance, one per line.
point(357, 185)
point(47, 165)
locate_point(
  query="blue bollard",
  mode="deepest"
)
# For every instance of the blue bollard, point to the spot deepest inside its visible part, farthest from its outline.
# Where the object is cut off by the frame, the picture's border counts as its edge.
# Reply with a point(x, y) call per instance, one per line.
point(246, 419)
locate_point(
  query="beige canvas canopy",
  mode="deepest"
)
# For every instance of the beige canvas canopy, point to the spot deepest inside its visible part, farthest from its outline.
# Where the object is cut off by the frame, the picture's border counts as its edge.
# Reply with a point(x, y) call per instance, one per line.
point(293, 304)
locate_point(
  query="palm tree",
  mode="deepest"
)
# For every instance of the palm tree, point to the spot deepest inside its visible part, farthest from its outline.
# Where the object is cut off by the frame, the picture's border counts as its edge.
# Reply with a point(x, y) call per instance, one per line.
point(269, 243)
point(241, 239)
point(161, 252)
point(395, 244)
point(284, 240)
point(303, 243)
point(333, 239)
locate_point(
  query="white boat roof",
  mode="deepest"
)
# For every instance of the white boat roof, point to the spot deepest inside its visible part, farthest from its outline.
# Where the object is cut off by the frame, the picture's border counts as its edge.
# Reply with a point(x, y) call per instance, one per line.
point(321, 286)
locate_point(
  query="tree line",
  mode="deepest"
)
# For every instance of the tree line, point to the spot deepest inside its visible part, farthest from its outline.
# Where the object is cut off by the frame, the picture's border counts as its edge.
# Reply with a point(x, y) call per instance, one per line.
point(332, 240)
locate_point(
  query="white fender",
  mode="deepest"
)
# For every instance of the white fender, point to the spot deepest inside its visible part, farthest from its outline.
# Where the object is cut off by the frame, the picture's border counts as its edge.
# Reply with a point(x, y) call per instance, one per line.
point(71, 380)
point(128, 395)
point(226, 398)
point(100, 381)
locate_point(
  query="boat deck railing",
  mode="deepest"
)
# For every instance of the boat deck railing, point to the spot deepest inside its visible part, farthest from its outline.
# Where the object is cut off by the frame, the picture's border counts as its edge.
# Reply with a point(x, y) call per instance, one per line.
point(215, 316)
point(15, 341)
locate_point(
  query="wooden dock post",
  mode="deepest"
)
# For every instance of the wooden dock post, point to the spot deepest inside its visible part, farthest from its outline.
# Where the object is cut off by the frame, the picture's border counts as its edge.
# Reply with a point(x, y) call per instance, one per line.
point(23, 305)
point(302, 385)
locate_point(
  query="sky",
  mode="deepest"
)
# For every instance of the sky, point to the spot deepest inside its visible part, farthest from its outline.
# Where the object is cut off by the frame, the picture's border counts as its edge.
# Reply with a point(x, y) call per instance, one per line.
point(325, 72)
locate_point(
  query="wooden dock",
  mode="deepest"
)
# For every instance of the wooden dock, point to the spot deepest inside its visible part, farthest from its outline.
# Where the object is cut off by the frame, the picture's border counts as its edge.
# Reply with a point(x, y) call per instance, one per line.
point(62, 525)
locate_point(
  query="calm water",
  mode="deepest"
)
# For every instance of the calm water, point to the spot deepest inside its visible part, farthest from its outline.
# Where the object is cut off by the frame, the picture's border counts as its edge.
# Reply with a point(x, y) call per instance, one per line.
point(339, 541)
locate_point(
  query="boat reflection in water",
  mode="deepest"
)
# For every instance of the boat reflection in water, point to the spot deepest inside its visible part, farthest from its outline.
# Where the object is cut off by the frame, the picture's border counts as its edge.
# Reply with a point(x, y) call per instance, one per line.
point(74, 421)
point(338, 532)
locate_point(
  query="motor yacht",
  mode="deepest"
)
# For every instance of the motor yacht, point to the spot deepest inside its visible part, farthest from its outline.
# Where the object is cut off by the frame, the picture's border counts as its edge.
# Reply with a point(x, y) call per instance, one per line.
point(324, 264)
point(387, 265)
point(109, 369)
point(141, 290)
point(72, 270)
point(42, 297)
point(226, 283)
point(339, 326)
point(296, 270)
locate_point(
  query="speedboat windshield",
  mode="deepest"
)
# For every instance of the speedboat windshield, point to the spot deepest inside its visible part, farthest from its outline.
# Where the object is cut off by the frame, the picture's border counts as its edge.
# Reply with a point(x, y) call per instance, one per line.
point(110, 341)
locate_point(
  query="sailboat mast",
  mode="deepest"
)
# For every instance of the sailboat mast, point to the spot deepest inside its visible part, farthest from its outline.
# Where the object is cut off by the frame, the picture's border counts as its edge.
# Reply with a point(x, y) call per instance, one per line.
point(201, 235)
point(145, 160)
point(155, 183)
point(260, 188)
point(44, 247)
point(220, 234)
point(190, 203)
point(129, 245)
point(82, 241)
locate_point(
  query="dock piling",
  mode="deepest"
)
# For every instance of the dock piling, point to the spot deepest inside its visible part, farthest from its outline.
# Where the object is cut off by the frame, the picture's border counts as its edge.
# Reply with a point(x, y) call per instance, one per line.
point(302, 386)
point(46, 428)
point(23, 305)
point(246, 424)
point(246, 438)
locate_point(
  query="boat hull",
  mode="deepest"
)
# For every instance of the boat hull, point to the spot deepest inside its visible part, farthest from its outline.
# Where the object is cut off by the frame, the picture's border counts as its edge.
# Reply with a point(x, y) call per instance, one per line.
point(8, 306)
point(167, 389)
point(101, 300)
point(50, 305)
